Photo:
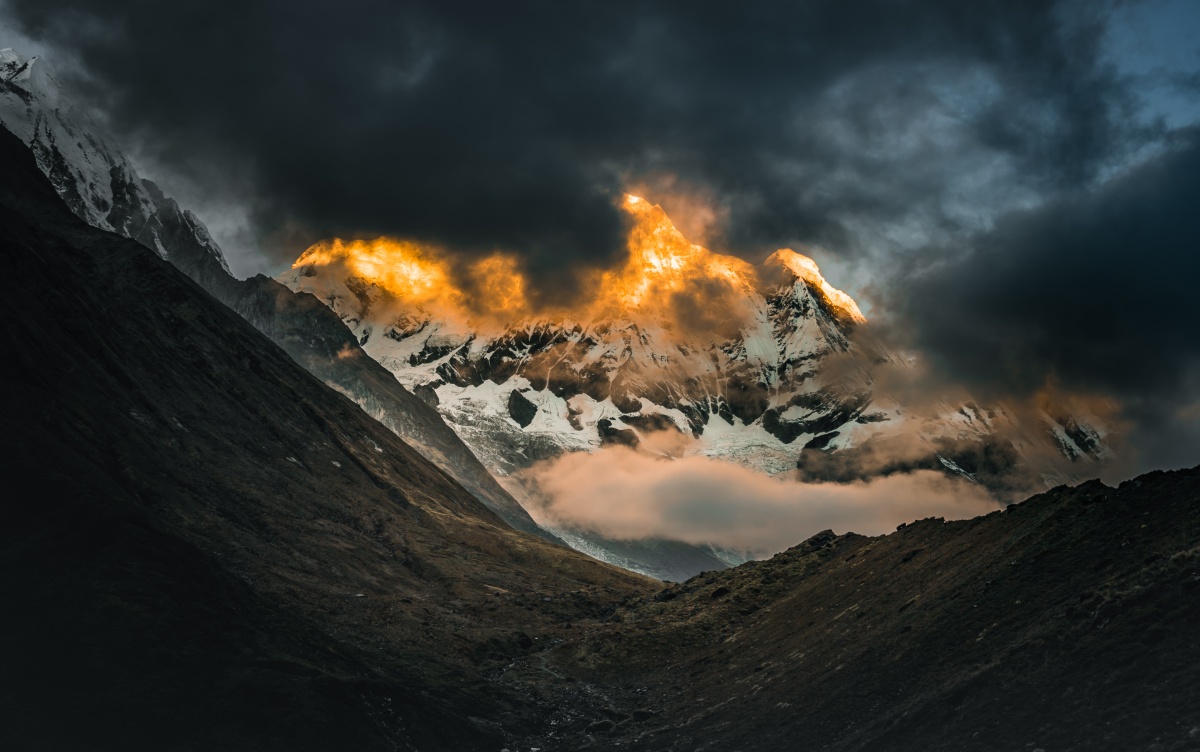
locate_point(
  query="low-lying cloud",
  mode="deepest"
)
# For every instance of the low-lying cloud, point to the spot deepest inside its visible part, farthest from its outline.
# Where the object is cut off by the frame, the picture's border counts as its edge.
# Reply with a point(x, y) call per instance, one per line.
point(627, 495)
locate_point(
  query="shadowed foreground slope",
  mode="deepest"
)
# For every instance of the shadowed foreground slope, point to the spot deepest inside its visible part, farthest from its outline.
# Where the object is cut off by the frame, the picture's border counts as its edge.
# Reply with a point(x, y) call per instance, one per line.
point(1067, 622)
point(205, 547)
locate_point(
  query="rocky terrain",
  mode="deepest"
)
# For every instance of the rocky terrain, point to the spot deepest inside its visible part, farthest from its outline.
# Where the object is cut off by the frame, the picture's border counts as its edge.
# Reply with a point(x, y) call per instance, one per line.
point(751, 364)
point(752, 385)
point(1065, 622)
point(102, 187)
point(744, 385)
point(207, 547)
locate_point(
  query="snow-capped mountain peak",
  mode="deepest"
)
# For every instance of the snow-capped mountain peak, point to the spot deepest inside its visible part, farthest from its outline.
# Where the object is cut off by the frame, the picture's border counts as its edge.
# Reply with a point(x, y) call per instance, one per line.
point(31, 75)
point(673, 339)
point(676, 340)
point(806, 269)
point(90, 172)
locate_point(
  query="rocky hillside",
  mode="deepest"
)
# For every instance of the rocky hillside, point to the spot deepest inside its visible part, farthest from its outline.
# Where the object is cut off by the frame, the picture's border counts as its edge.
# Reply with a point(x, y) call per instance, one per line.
point(752, 388)
point(94, 177)
point(103, 188)
point(1065, 622)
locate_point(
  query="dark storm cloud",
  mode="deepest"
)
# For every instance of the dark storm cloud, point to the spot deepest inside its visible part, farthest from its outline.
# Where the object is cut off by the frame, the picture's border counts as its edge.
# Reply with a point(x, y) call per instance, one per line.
point(1097, 292)
point(515, 124)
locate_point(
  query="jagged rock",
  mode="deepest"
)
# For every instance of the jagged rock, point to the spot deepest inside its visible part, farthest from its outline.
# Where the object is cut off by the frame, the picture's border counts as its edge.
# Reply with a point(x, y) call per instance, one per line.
point(610, 434)
point(822, 441)
point(521, 409)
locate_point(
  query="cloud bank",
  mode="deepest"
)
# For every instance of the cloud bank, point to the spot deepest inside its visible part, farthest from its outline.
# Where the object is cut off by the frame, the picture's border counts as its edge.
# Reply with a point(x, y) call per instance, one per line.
point(1093, 293)
point(624, 494)
point(482, 125)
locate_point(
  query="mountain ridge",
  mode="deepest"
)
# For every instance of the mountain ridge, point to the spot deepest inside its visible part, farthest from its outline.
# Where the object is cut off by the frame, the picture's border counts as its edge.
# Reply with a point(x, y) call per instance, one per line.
point(678, 339)
point(477, 386)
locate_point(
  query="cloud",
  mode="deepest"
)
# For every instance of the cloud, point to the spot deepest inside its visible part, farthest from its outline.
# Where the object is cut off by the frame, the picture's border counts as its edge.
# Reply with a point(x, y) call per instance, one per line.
point(1094, 292)
point(623, 494)
point(514, 125)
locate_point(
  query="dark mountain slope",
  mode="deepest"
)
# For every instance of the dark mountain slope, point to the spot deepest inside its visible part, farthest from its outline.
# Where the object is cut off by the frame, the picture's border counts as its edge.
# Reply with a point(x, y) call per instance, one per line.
point(205, 547)
point(102, 187)
point(1067, 622)
point(318, 340)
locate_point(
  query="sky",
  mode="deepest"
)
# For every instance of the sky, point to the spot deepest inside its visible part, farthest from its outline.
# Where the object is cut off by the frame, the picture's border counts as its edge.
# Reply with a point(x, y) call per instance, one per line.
point(1008, 188)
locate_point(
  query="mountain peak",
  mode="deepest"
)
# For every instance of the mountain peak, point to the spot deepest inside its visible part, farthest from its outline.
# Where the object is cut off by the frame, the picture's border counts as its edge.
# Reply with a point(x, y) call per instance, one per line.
point(31, 75)
point(663, 264)
point(806, 270)
point(89, 171)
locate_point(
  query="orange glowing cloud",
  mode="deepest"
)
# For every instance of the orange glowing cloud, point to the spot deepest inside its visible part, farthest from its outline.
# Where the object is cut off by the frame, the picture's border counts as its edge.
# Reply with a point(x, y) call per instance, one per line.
point(662, 269)
point(662, 262)
point(411, 272)
point(499, 285)
point(422, 276)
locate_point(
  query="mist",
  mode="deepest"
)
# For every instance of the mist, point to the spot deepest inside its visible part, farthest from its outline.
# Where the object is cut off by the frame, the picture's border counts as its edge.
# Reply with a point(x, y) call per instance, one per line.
point(624, 494)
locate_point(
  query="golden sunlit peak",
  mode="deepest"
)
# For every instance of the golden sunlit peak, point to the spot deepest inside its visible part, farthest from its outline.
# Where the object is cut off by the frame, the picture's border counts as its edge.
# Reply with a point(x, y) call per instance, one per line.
point(662, 263)
point(806, 269)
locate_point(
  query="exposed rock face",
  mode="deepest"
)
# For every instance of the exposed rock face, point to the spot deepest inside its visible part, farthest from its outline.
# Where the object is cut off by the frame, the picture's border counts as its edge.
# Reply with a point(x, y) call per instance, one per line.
point(635, 374)
point(90, 173)
point(773, 365)
point(521, 409)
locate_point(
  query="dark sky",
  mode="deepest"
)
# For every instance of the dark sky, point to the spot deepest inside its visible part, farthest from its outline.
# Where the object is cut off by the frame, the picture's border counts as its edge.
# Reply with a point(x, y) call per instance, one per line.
point(1010, 184)
point(514, 124)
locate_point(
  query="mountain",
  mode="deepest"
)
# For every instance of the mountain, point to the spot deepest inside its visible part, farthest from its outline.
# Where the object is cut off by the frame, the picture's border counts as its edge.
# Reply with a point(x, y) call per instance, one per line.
point(91, 174)
point(206, 547)
point(101, 187)
point(732, 362)
point(627, 364)
point(681, 351)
